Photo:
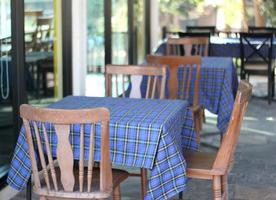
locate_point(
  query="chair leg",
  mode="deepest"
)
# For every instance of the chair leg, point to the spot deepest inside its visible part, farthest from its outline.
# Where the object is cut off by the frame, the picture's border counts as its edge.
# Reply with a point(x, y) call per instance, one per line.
point(29, 190)
point(225, 187)
point(273, 83)
point(203, 116)
point(197, 118)
point(144, 182)
point(117, 193)
point(217, 188)
point(269, 89)
point(180, 196)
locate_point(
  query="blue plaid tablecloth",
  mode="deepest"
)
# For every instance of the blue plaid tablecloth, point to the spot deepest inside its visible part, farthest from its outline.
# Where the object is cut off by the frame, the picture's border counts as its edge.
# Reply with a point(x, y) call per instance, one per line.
point(218, 86)
point(143, 133)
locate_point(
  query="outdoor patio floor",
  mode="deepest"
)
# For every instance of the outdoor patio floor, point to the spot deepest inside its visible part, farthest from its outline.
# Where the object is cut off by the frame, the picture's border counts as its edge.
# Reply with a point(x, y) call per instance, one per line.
point(253, 176)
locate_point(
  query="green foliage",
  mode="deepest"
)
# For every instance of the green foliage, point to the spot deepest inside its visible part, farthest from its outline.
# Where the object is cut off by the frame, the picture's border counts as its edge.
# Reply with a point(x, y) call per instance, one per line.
point(232, 12)
point(178, 7)
point(95, 19)
point(269, 11)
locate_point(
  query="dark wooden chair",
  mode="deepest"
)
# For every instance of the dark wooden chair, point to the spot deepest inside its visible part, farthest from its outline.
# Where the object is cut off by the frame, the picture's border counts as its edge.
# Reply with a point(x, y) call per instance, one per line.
point(156, 80)
point(45, 67)
point(262, 29)
point(188, 63)
point(202, 29)
point(256, 58)
point(61, 177)
point(216, 166)
point(41, 37)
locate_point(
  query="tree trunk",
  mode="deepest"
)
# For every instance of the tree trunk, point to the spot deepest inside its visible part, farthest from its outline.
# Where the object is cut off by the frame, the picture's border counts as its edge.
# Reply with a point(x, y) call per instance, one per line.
point(259, 18)
point(244, 16)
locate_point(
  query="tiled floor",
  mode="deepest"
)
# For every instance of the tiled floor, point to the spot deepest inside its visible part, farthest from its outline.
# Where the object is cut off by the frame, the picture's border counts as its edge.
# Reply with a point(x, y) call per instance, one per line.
point(254, 173)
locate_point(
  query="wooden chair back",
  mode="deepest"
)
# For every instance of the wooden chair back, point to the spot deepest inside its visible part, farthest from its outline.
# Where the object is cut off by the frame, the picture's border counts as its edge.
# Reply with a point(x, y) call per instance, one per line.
point(262, 29)
point(225, 154)
point(174, 62)
point(33, 13)
point(156, 79)
point(35, 120)
point(188, 46)
point(42, 33)
point(252, 43)
point(44, 24)
point(202, 29)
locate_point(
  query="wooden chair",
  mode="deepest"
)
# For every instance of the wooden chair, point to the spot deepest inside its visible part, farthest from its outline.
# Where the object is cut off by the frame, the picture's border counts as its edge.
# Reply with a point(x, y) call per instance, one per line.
point(155, 88)
point(188, 63)
point(202, 29)
point(188, 45)
point(42, 35)
point(256, 58)
point(61, 177)
point(262, 29)
point(156, 79)
point(216, 166)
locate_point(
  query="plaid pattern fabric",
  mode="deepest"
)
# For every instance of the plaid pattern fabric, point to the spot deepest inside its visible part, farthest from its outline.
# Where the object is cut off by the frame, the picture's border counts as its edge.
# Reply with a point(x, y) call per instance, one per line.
point(218, 86)
point(143, 133)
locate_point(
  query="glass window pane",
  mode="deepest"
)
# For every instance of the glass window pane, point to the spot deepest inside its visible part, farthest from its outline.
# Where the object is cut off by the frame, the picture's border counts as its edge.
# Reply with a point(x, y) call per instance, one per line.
point(43, 51)
point(95, 46)
point(7, 136)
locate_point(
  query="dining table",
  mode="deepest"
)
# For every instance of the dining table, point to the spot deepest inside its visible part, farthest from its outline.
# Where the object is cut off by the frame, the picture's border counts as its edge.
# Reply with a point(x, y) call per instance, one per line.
point(218, 86)
point(230, 47)
point(144, 133)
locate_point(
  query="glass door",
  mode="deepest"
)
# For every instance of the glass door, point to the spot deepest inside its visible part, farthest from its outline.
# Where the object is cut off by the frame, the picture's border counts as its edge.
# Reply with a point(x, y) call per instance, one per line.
point(38, 77)
point(96, 41)
point(7, 137)
point(119, 22)
point(95, 48)
point(43, 51)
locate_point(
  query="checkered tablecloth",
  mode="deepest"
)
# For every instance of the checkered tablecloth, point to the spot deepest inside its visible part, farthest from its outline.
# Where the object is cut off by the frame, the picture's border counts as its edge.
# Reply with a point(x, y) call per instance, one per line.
point(143, 133)
point(218, 86)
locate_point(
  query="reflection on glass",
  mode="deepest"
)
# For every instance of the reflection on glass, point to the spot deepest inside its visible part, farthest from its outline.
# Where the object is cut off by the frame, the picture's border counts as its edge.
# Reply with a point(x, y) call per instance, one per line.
point(7, 139)
point(41, 54)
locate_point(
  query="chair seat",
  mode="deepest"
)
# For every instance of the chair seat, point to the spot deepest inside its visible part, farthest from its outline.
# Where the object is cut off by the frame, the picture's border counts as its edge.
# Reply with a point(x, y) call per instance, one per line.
point(95, 193)
point(199, 164)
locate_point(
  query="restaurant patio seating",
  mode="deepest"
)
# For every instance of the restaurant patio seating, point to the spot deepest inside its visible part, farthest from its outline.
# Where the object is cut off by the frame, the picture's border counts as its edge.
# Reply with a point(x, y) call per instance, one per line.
point(179, 87)
point(155, 88)
point(256, 58)
point(216, 166)
point(61, 177)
